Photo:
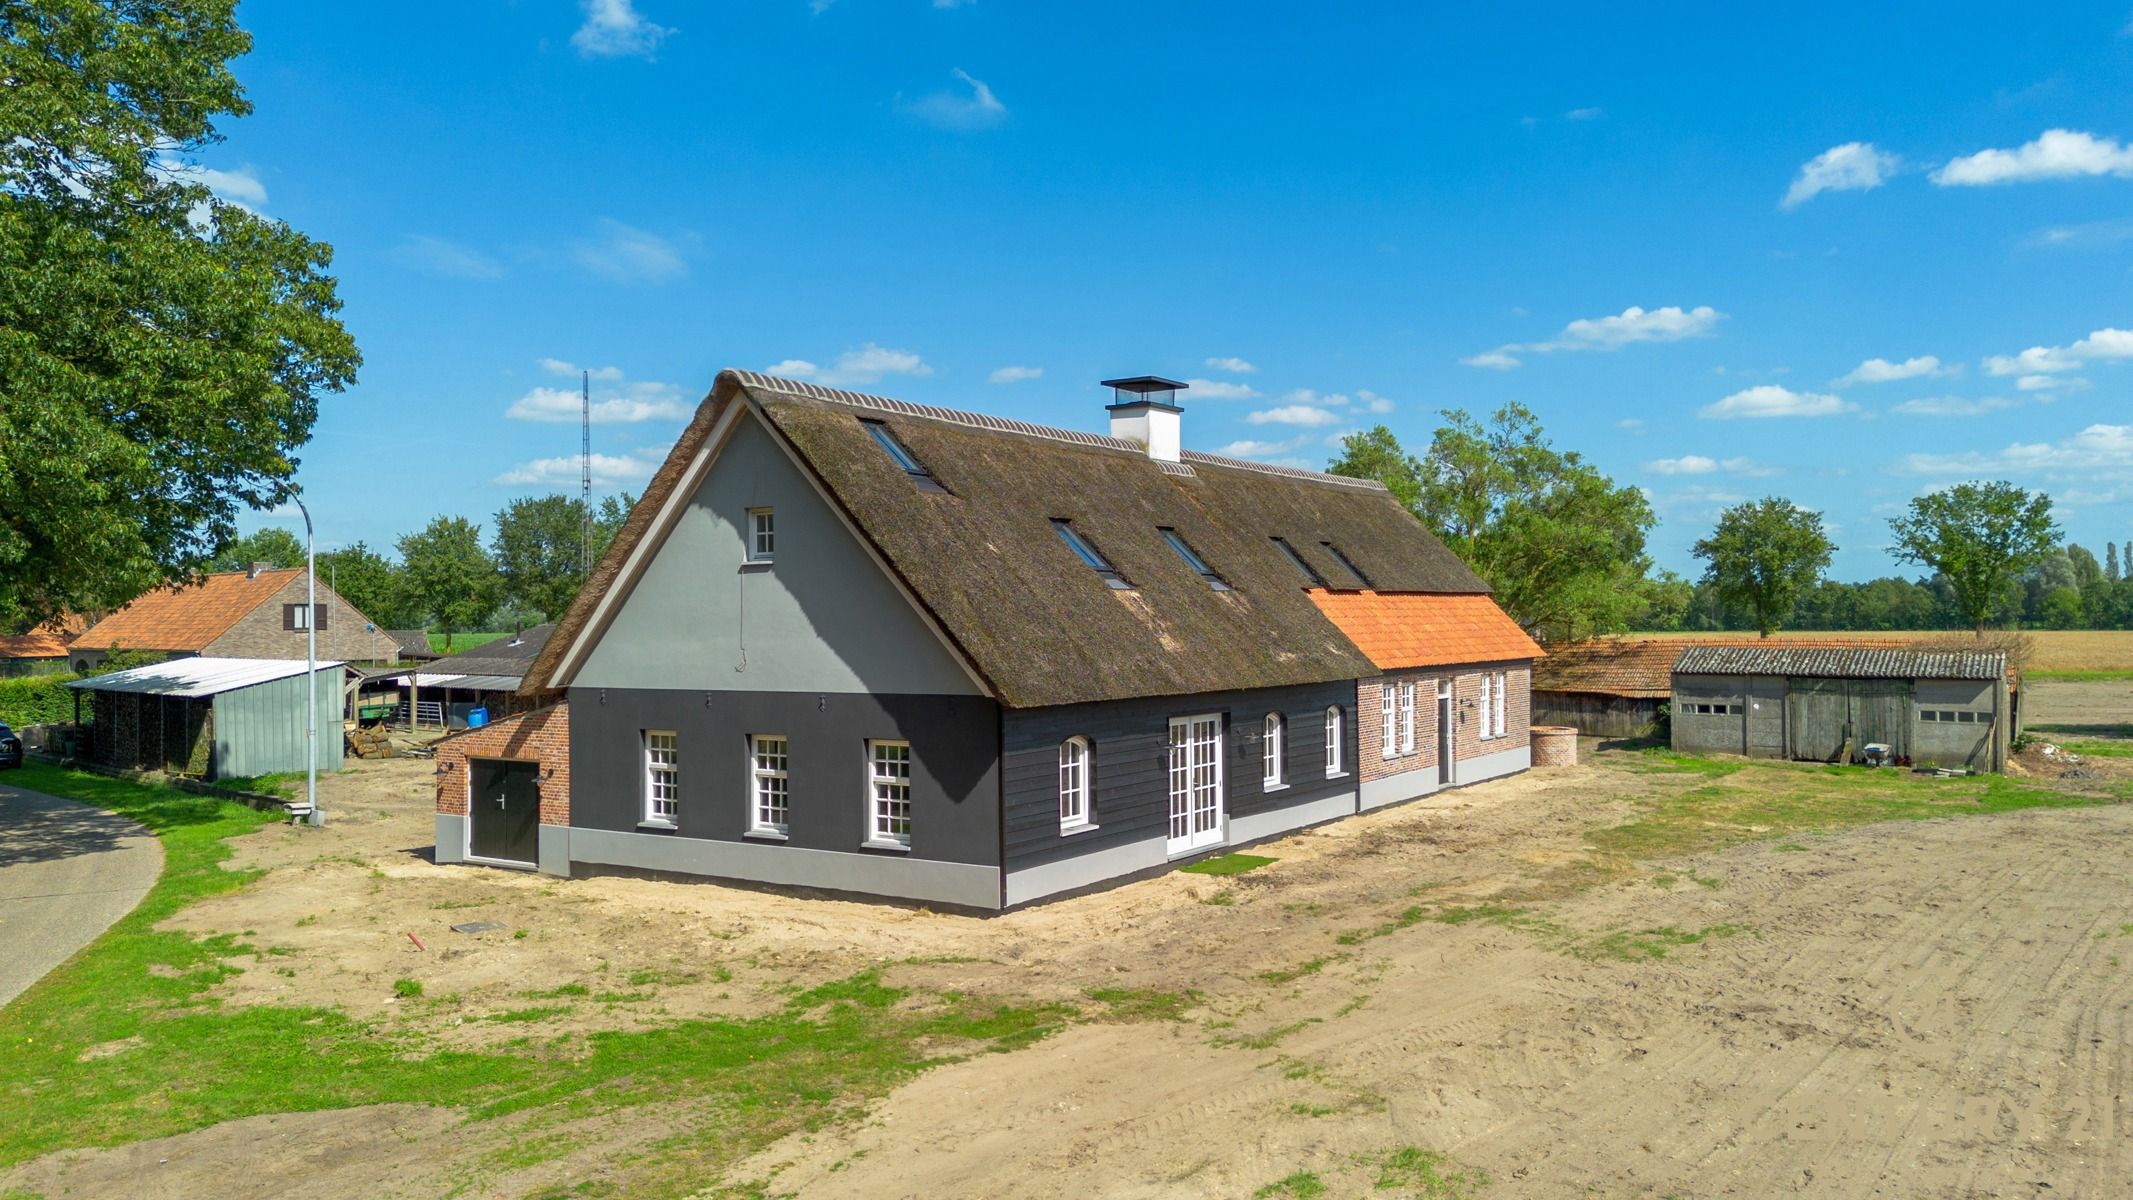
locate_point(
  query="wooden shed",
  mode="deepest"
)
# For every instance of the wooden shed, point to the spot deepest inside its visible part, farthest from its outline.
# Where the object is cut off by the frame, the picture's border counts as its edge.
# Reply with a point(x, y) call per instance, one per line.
point(1928, 708)
point(212, 718)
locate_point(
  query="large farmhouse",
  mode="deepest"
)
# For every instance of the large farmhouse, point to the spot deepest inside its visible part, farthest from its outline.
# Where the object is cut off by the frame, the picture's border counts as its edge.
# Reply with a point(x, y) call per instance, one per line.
point(849, 643)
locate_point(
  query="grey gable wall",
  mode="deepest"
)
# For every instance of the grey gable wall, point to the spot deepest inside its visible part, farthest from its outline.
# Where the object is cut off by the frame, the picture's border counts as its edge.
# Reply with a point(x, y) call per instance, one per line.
point(823, 617)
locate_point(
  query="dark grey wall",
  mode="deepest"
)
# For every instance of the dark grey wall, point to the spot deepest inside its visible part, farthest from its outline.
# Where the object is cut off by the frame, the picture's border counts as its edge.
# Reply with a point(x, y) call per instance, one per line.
point(1131, 793)
point(954, 740)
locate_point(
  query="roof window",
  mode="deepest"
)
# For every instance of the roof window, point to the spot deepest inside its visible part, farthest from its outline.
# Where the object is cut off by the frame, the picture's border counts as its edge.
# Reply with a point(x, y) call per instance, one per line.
point(1087, 553)
point(1316, 579)
point(1193, 560)
point(1361, 580)
point(902, 456)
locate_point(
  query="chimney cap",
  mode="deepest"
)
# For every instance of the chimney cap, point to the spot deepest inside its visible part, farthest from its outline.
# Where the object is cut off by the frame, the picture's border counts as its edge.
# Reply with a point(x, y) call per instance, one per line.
point(1143, 384)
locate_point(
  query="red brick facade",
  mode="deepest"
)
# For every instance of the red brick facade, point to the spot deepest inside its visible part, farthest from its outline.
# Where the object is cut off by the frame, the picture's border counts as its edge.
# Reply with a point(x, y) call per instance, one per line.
point(1467, 741)
point(541, 736)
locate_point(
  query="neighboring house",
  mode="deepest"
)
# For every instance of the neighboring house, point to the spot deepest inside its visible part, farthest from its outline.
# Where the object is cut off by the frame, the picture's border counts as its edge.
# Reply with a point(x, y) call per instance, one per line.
point(1929, 708)
point(414, 644)
point(212, 718)
point(849, 643)
point(254, 613)
point(41, 651)
point(445, 692)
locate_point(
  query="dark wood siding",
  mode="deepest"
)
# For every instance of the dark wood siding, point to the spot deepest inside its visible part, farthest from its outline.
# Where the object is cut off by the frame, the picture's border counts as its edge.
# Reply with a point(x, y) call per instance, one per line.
point(1130, 795)
point(954, 740)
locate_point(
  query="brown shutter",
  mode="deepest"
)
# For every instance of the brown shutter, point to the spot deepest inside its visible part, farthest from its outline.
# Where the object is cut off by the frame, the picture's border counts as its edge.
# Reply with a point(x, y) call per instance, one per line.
point(288, 616)
point(318, 618)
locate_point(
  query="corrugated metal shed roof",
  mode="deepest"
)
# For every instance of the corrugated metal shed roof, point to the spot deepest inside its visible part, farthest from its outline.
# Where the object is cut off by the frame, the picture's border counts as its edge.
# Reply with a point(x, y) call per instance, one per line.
point(198, 676)
point(1840, 664)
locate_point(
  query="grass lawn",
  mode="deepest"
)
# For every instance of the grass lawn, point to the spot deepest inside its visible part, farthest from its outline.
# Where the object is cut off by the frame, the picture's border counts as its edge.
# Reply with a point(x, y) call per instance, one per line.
point(1228, 864)
point(199, 1061)
point(463, 641)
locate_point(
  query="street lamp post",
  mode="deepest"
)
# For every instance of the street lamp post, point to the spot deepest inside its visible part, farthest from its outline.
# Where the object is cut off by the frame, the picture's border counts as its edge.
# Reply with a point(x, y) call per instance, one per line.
point(316, 817)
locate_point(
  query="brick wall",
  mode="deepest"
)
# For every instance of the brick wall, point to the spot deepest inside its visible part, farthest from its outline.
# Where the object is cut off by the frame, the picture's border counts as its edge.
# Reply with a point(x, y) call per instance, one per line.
point(541, 736)
point(259, 633)
point(1466, 714)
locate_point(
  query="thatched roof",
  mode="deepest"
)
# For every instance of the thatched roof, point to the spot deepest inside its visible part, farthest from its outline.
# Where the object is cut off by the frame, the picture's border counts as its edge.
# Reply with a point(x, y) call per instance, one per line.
point(983, 559)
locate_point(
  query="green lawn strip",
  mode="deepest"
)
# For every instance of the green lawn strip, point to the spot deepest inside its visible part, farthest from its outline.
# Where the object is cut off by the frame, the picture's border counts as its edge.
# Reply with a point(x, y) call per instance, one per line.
point(463, 641)
point(200, 1062)
point(2077, 676)
point(2101, 748)
point(2053, 731)
point(1228, 864)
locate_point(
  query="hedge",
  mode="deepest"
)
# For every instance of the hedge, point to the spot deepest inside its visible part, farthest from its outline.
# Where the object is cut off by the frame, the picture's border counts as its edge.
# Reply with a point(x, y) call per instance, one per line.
point(36, 700)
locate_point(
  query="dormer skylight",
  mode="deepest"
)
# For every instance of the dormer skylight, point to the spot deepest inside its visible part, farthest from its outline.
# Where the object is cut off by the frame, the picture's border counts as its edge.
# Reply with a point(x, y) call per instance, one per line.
point(1361, 580)
point(1193, 560)
point(1087, 553)
point(1316, 579)
point(901, 455)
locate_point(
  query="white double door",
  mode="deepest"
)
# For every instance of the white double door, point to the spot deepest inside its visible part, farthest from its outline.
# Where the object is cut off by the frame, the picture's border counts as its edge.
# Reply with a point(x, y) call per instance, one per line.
point(1195, 783)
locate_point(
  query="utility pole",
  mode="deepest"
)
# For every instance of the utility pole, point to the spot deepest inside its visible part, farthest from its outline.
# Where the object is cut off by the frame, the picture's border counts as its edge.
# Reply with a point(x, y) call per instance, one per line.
point(310, 672)
point(585, 476)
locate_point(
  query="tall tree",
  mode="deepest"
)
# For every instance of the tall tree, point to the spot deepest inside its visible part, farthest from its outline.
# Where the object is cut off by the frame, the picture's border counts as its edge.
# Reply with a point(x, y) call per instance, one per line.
point(1376, 454)
point(449, 575)
point(1980, 537)
point(537, 548)
point(1764, 555)
point(168, 349)
point(2110, 561)
point(274, 547)
point(1560, 544)
point(371, 582)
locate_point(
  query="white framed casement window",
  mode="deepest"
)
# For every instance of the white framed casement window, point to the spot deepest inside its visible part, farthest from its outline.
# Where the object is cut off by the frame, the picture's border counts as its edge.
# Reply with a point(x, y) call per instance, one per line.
point(762, 535)
point(1074, 784)
point(889, 795)
point(769, 787)
point(1273, 752)
point(1488, 705)
point(1333, 741)
point(1407, 716)
point(662, 776)
point(1503, 725)
point(1388, 720)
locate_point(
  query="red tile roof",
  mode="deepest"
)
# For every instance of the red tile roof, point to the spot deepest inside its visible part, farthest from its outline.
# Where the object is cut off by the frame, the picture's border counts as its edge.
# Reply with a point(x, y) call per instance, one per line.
point(1410, 629)
point(50, 641)
point(187, 618)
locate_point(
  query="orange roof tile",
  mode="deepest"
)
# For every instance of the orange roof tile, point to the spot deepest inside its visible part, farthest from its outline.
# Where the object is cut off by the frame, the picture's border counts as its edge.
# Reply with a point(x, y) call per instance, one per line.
point(187, 618)
point(49, 641)
point(1410, 629)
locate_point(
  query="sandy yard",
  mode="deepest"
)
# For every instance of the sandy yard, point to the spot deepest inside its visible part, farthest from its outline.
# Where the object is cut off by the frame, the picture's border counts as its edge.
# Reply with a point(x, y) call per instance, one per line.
point(1920, 1008)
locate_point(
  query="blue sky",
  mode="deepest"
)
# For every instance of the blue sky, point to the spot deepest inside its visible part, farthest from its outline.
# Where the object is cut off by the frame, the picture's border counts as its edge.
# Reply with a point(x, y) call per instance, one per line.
point(1835, 255)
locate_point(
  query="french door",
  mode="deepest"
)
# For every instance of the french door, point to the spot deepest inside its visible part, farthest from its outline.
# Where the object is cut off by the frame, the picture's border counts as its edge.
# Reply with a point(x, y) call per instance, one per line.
point(1195, 783)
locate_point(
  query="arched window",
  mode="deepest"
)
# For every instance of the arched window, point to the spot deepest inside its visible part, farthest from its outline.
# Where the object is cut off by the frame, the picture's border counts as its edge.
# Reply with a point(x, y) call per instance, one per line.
point(1073, 784)
point(1276, 754)
point(1334, 741)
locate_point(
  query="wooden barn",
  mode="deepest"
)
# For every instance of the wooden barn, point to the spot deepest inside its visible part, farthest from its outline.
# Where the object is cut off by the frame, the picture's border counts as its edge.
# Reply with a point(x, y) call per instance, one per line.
point(1928, 708)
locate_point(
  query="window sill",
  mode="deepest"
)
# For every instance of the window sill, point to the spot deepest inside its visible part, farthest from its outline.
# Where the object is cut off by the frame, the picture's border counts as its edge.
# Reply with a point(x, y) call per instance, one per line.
point(768, 835)
point(1084, 827)
point(668, 826)
point(872, 844)
point(1264, 786)
point(1336, 774)
point(758, 564)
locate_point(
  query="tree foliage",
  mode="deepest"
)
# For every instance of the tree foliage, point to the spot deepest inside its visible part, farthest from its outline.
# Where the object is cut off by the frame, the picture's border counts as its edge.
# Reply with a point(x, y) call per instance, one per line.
point(274, 547)
point(1764, 555)
point(1560, 544)
point(1980, 537)
point(162, 352)
point(449, 575)
point(371, 582)
point(537, 548)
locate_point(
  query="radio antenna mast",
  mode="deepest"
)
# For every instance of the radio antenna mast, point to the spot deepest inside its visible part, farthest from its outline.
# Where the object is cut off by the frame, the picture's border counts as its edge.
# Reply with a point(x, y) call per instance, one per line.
point(585, 475)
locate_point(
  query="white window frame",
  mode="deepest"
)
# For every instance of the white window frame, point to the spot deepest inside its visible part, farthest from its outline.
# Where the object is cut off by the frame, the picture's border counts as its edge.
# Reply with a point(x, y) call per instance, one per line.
point(300, 617)
point(1334, 741)
point(1407, 716)
point(1075, 762)
point(762, 534)
point(1488, 705)
point(769, 784)
point(1388, 720)
point(662, 777)
point(1503, 684)
point(1274, 753)
point(887, 791)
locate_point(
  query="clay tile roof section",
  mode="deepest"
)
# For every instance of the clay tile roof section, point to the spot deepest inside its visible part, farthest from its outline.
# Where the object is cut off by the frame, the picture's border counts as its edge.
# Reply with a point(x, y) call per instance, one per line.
point(1408, 630)
point(187, 618)
point(48, 641)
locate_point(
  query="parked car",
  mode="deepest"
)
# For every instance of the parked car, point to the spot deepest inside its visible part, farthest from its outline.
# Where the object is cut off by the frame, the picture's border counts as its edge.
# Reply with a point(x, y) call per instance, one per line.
point(10, 748)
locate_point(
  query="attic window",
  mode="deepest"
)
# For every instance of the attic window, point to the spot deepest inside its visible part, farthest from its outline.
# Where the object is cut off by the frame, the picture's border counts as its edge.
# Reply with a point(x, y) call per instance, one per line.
point(1087, 553)
point(902, 457)
point(1361, 580)
point(1316, 579)
point(1192, 560)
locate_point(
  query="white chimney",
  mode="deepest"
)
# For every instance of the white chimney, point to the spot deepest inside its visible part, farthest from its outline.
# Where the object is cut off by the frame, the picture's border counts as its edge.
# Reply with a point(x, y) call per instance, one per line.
point(1145, 410)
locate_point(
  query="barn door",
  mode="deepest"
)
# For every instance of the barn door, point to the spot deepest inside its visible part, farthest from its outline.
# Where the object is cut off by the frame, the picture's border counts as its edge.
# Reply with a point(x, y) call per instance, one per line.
point(1881, 712)
point(1818, 717)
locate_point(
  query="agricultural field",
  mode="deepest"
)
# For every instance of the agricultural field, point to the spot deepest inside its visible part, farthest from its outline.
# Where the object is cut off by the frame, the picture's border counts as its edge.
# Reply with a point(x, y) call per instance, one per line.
point(2050, 653)
point(1642, 976)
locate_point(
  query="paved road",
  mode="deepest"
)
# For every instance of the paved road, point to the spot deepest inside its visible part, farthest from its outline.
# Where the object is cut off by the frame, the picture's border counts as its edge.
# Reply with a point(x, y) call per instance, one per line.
point(67, 871)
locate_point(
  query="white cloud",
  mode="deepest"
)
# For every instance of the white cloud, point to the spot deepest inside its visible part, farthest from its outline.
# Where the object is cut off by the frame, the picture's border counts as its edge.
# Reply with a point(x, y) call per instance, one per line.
point(1770, 400)
point(1697, 464)
point(1294, 414)
point(1307, 396)
point(2056, 154)
point(240, 188)
point(2107, 448)
point(627, 404)
point(1585, 114)
point(2100, 346)
point(1235, 366)
point(953, 110)
point(615, 29)
point(1630, 423)
point(2090, 235)
point(1881, 370)
point(1952, 406)
point(440, 256)
point(1015, 374)
point(2051, 383)
point(1372, 402)
point(1851, 167)
point(1255, 449)
point(868, 364)
point(557, 366)
point(608, 470)
point(1217, 389)
point(626, 254)
point(1631, 326)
